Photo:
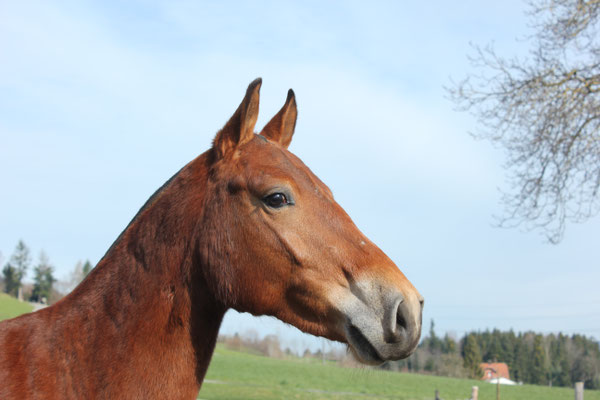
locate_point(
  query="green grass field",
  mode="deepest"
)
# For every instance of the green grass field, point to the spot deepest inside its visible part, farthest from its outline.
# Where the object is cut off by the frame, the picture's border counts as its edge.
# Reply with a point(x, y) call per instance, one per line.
point(234, 375)
point(11, 307)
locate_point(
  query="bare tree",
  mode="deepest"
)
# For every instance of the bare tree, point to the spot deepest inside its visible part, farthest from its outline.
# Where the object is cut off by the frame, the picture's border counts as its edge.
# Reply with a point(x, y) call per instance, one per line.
point(544, 110)
point(65, 286)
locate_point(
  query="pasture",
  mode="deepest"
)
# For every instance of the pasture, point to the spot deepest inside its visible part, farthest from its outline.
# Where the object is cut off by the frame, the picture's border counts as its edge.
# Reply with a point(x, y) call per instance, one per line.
point(11, 307)
point(235, 375)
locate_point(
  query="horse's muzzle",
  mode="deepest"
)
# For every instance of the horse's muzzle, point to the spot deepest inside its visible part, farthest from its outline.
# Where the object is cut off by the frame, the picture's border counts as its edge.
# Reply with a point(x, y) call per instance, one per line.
point(382, 324)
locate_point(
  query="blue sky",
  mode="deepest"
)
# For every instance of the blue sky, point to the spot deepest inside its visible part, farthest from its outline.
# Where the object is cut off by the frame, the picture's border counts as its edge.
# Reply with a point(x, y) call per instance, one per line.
point(101, 102)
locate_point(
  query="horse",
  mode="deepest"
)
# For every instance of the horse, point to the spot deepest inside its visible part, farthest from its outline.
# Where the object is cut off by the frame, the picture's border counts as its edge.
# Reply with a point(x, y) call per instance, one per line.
point(245, 226)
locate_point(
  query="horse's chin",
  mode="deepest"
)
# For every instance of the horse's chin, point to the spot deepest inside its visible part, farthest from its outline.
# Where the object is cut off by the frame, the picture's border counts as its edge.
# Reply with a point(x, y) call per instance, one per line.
point(365, 346)
point(362, 350)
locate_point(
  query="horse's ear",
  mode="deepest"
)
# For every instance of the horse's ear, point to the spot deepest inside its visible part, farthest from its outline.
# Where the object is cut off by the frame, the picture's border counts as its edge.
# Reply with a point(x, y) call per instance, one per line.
point(281, 127)
point(240, 127)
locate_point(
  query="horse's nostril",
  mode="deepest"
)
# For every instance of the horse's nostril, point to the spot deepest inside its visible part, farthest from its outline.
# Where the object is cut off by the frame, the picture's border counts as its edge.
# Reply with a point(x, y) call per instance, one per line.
point(400, 321)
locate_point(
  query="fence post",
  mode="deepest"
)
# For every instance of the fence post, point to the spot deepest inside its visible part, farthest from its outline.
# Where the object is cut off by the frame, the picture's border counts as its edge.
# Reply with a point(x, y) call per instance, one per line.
point(474, 392)
point(578, 390)
point(498, 389)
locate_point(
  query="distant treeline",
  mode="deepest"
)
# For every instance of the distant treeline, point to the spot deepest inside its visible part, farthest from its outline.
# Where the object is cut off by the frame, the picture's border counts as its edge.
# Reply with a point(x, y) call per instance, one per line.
point(555, 360)
point(45, 288)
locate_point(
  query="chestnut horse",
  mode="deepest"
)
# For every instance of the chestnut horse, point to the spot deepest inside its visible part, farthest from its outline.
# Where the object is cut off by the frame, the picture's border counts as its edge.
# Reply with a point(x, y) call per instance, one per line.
point(246, 225)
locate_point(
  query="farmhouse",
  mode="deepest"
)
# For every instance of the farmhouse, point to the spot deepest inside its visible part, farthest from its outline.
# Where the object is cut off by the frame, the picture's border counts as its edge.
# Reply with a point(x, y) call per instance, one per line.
point(494, 371)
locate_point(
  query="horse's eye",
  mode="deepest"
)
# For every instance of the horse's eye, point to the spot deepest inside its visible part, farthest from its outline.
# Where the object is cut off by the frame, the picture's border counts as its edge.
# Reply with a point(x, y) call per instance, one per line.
point(276, 200)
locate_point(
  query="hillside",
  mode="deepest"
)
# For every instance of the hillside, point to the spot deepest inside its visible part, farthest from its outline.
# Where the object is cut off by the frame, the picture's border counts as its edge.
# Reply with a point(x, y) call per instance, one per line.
point(235, 375)
point(11, 307)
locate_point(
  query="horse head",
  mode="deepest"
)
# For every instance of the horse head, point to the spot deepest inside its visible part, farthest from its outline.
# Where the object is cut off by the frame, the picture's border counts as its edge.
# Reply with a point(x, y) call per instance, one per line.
point(275, 242)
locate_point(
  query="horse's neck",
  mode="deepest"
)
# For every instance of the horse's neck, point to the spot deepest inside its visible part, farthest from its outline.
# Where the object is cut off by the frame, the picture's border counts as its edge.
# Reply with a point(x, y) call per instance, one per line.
point(148, 314)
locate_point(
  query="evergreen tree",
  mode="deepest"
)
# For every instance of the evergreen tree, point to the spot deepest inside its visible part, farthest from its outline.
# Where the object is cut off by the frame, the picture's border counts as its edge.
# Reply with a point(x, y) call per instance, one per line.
point(538, 361)
point(559, 365)
point(472, 356)
point(43, 279)
point(415, 364)
point(484, 339)
point(449, 345)
point(429, 365)
point(87, 267)
point(16, 268)
point(435, 343)
point(521, 360)
point(495, 353)
point(563, 378)
point(508, 348)
point(11, 279)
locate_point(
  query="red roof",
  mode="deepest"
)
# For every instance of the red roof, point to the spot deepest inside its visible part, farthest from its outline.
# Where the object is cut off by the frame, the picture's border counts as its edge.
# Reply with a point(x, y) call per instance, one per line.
point(494, 370)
